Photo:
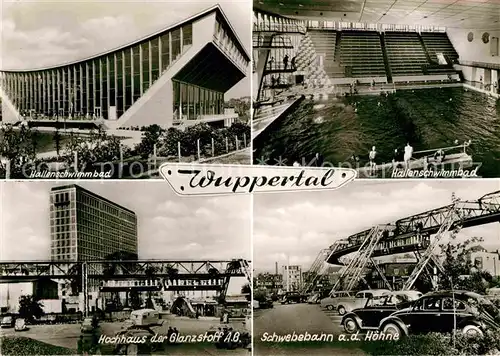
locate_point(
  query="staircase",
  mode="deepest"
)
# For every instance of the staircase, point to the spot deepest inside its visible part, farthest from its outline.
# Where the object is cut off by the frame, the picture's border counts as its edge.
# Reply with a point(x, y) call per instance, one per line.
point(386, 60)
point(325, 44)
point(425, 48)
point(337, 47)
point(306, 62)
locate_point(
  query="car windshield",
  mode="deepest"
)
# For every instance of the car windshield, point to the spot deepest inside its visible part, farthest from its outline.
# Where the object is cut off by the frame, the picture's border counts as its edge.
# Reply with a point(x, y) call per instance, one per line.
point(397, 299)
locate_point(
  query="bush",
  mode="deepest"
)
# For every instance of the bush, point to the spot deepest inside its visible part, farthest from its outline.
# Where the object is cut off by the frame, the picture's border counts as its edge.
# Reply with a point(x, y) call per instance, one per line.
point(188, 138)
point(436, 344)
point(25, 346)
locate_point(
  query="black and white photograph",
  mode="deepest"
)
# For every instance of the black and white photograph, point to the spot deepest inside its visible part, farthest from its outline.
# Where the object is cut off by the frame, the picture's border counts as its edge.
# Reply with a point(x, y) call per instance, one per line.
point(390, 88)
point(126, 268)
point(378, 268)
point(113, 89)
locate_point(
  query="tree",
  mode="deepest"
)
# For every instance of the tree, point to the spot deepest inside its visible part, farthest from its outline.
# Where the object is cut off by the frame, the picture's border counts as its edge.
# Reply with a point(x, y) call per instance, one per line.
point(150, 138)
point(239, 129)
point(135, 299)
point(460, 272)
point(57, 141)
point(169, 142)
point(245, 289)
point(30, 308)
point(260, 295)
point(18, 147)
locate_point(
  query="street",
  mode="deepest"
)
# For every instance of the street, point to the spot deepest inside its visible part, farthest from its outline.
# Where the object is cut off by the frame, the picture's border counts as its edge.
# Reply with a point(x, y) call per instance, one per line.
point(67, 335)
point(299, 319)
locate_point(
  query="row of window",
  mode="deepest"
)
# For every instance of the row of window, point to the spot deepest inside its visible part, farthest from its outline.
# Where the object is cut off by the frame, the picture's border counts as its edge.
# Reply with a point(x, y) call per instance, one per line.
point(62, 213)
point(266, 22)
point(338, 25)
point(228, 45)
point(88, 216)
point(116, 80)
point(62, 197)
point(103, 208)
point(62, 206)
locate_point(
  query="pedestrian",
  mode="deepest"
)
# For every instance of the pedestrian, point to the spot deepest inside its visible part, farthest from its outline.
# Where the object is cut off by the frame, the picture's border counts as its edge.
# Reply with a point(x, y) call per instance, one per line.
point(271, 61)
point(285, 61)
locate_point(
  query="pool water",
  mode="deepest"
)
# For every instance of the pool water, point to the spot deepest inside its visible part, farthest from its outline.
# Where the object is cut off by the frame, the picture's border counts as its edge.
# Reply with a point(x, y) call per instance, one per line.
point(338, 128)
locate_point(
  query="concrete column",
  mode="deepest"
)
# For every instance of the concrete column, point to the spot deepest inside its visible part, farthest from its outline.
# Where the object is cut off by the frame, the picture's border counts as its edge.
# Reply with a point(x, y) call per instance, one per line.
point(160, 51)
point(87, 89)
point(115, 79)
point(141, 69)
point(101, 101)
point(150, 60)
point(94, 94)
point(132, 70)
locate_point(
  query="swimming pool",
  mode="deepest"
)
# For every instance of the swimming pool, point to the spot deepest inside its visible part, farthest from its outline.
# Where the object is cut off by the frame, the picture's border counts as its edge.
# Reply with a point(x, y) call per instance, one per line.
point(338, 128)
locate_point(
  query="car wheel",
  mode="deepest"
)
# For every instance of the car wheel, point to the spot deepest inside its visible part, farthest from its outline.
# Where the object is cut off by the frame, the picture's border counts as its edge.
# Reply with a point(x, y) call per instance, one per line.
point(350, 325)
point(341, 310)
point(329, 307)
point(392, 329)
point(472, 331)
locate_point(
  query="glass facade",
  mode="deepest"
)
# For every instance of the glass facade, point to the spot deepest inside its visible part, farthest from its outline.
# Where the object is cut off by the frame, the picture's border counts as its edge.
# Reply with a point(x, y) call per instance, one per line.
point(192, 102)
point(85, 226)
point(88, 89)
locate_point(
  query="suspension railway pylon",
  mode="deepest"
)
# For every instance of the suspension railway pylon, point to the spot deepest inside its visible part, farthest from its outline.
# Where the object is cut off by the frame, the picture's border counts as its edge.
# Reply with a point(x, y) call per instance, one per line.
point(450, 225)
point(316, 270)
point(353, 272)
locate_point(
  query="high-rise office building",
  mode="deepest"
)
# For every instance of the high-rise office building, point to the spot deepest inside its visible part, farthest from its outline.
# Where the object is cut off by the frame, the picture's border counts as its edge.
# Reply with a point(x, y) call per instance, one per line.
point(292, 277)
point(85, 226)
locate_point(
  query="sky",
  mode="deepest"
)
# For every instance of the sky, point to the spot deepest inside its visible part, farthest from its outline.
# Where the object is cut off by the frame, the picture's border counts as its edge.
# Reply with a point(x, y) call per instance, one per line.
point(170, 227)
point(295, 227)
point(37, 33)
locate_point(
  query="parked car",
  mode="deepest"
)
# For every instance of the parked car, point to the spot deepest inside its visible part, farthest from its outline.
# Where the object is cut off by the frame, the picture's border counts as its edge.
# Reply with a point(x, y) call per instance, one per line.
point(441, 312)
point(376, 309)
point(293, 297)
point(313, 299)
point(266, 304)
point(344, 302)
point(20, 325)
point(7, 322)
point(88, 325)
point(145, 317)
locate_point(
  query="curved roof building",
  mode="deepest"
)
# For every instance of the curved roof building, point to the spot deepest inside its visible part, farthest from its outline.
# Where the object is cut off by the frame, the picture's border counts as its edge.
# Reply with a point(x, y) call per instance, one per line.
point(176, 76)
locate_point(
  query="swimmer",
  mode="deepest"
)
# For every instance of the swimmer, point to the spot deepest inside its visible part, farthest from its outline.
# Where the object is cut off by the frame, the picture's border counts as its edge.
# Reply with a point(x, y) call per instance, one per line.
point(408, 154)
point(372, 155)
point(395, 157)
